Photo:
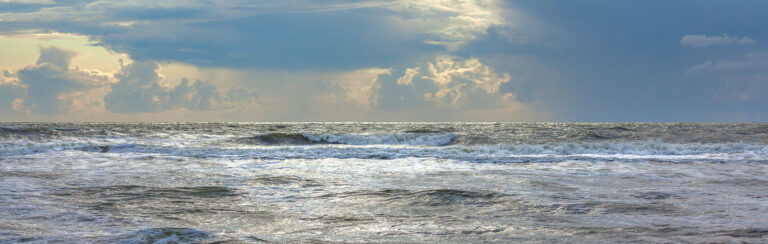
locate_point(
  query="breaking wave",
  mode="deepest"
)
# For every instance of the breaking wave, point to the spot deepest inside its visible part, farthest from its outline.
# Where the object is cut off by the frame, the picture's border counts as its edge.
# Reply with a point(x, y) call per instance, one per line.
point(430, 139)
point(426, 139)
point(411, 146)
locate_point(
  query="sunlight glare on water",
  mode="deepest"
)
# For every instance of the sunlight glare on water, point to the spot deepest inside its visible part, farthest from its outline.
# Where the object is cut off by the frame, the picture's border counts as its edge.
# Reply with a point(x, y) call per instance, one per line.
point(380, 182)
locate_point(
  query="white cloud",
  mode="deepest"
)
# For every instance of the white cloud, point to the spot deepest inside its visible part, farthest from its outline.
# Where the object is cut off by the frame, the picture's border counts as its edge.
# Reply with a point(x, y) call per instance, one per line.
point(706, 41)
point(450, 23)
point(407, 78)
point(460, 82)
point(449, 82)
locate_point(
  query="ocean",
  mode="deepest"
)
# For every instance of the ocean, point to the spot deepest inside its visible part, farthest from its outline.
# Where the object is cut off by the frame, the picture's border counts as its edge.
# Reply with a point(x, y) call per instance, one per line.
point(383, 182)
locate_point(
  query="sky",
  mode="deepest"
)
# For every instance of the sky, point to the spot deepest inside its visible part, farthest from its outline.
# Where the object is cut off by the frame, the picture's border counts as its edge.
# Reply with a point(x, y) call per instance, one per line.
point(383, 60)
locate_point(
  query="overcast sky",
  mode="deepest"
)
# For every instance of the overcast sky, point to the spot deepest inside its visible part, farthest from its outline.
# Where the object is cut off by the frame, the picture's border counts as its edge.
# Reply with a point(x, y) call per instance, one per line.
point(399, 60)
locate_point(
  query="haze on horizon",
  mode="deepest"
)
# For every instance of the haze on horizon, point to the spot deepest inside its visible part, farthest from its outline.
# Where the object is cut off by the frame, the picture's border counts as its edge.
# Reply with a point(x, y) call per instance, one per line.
point(383, 60)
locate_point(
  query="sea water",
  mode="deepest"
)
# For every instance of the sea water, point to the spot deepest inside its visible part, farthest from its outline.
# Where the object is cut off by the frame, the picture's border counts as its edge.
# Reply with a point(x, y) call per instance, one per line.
point(383, 182)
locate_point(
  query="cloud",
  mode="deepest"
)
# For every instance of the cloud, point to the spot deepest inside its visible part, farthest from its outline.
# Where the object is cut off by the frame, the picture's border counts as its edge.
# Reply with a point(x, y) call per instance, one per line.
point(743, 79)
point(58, 57)
point(360, 87)
point(51, 85)
point(450, 23)
point(407, 78)
point(294, 34)
point(237, 96)
point(324, 60)
point(316, 95)
point(142, 88)
point(447, 83)
point(462, 83)
point(11, 91)
point(28, 1)
point(138, 90)
point(7, 77)
point(699, 41)
point(755, 62)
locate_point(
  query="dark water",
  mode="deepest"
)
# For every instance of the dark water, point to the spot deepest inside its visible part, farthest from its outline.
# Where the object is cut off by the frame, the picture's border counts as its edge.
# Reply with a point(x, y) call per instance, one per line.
point(384, 182)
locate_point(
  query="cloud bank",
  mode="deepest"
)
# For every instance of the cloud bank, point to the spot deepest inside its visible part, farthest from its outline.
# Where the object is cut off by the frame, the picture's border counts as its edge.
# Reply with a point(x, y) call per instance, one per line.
point(52, 87)
point(351, 47)
point(294, 34)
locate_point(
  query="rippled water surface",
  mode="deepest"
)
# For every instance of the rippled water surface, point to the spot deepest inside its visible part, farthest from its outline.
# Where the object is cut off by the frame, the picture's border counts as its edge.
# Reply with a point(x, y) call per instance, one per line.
point(384, 182)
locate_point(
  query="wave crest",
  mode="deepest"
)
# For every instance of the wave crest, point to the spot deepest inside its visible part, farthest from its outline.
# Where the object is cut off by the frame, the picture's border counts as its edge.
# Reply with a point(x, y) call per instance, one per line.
point(427, 139)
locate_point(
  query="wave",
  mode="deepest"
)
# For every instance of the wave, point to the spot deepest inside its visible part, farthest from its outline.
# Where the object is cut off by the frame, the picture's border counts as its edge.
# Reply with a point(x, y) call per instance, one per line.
point(275, 139)
point(431, 197)
point(430, 139)
point(166, 235)
point(503, 153)
point(427, 139)
point(629, 148)
point(34, 130)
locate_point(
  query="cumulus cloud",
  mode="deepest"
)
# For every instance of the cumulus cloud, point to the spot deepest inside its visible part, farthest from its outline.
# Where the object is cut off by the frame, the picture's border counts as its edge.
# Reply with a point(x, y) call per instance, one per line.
point(142, 88)
point(448, 82)
point(463, 82)
point(7, 77)
point(407, 78)
point(55, 56)
point(706, 41)
point(51, 85)
point(138, 90)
